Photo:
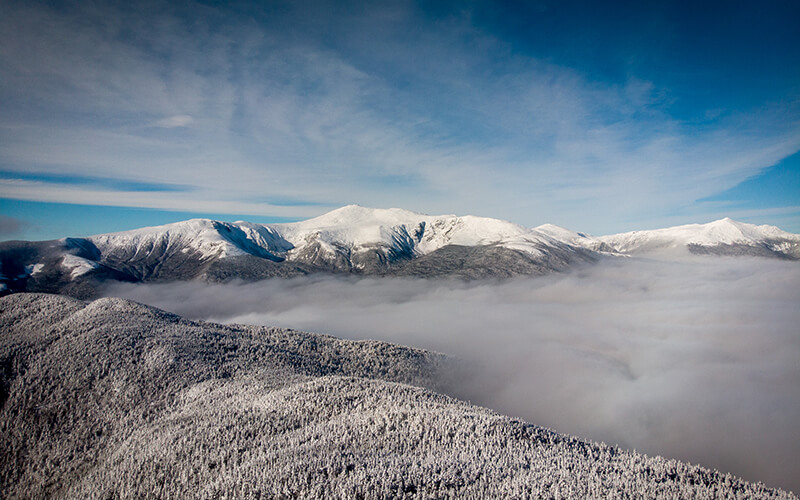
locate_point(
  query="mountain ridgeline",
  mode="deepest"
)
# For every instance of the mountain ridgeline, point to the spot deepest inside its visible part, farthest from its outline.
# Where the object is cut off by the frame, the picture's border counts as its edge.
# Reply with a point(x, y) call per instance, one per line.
point(113, 399)
point(355, 240)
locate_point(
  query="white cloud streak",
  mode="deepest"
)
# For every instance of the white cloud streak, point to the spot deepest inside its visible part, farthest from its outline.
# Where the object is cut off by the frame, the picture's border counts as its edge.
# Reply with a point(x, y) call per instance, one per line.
point(695, 360)
point(174, 121)
point(208, 202)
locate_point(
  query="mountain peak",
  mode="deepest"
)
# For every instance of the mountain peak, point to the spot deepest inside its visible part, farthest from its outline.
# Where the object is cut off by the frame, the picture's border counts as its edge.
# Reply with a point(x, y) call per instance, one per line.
point(726, 221)
point(358, 215)
point(746, 231)
point(722, 236)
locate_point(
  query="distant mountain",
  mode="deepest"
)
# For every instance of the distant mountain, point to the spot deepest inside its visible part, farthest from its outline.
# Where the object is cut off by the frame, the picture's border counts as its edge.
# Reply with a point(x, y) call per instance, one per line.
point(721, 237)
point(356, 240)
point(350, 239)
point(113, 399)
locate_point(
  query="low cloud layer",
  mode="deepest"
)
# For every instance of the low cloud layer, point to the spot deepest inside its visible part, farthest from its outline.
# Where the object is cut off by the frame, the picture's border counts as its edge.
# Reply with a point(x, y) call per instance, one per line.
point(694, 360)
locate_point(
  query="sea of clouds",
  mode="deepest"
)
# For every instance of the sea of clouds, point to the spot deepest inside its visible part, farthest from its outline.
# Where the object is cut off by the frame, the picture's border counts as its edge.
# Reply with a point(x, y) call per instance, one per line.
point(697, 360)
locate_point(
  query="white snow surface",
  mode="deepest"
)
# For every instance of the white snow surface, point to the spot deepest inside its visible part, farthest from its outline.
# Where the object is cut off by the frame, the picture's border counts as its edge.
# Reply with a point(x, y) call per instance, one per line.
point(721, 232)
point(352, 227)
point(362, 228)
point(202, 235)
point(567, 236)
point(27, 271)
point(356, 229)
point(78, 265)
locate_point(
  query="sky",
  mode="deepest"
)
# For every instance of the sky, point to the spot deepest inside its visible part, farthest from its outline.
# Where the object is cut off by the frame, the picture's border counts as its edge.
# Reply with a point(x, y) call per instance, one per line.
point(601, 117)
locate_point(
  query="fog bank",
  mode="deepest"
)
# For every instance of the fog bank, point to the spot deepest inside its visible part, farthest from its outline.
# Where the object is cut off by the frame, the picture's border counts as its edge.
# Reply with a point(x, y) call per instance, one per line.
point(697, 360)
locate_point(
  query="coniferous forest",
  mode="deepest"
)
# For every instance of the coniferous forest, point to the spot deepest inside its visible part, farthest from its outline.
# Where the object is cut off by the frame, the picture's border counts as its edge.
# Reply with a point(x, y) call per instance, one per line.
point(113, 399)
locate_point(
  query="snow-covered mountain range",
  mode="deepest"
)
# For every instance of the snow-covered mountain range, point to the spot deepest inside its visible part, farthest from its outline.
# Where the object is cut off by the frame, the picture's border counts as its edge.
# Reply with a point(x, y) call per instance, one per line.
point(359, 240)
point(721, 237)
point(351, 238)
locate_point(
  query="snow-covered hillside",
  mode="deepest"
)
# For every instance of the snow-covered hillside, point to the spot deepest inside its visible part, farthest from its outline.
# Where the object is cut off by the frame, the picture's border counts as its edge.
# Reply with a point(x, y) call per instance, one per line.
point(396, 233)
point(721, 237)
point(355, 239)
point(352, 231)
point(347, 231)
point(352, 239)
point(113, 399)
point(724, 236)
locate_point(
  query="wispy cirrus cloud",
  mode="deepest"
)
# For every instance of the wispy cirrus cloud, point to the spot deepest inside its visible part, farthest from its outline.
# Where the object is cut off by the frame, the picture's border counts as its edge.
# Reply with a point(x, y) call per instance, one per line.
point(386, 106)
point(178, 201)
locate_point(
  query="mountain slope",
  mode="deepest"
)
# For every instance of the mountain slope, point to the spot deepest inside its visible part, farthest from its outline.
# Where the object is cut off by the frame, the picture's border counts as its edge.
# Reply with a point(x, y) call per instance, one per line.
point(112, 399)
point(355, 240)
point(347, 238)
point(721, 237)
point(351, 239)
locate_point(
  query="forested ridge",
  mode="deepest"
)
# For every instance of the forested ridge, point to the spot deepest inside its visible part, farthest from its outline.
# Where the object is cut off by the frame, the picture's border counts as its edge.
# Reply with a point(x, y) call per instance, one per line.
point(113, 399)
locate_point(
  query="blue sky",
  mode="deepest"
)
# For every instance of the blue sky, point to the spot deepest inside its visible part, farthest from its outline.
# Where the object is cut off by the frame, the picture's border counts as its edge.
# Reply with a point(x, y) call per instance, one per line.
point(598, 116)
